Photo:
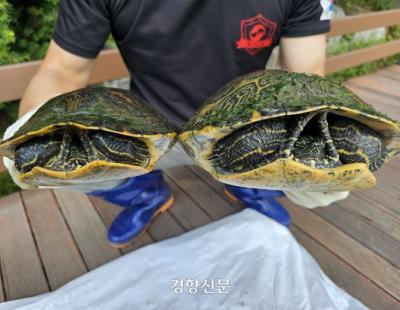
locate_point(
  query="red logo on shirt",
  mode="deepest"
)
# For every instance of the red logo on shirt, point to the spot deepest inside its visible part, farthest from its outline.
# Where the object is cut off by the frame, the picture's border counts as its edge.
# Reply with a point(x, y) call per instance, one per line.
point(256, 33)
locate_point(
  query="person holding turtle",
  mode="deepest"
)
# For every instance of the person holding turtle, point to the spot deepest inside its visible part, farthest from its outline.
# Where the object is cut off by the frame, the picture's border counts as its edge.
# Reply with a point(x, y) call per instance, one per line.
point(178, 53)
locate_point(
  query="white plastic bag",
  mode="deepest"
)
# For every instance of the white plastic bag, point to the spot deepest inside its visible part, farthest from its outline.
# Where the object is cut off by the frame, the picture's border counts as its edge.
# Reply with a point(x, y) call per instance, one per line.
point(259, 263)
point(8, 163)
point(312, 200)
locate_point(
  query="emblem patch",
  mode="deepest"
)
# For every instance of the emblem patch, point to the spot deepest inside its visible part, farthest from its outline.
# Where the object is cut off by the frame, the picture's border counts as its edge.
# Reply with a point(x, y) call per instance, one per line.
point(256, 33)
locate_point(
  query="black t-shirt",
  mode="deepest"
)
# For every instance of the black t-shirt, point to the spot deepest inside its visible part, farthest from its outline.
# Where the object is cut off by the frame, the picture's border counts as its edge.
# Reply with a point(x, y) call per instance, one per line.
point(179, 52)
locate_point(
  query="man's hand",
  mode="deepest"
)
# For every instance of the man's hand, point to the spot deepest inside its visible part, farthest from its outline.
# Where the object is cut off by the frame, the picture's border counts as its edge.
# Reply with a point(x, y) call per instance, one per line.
point(303, 54)
point(60, 72)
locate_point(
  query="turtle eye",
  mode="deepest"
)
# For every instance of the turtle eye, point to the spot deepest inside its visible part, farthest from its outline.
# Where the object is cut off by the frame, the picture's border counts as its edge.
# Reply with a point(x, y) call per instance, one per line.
point(300, 143)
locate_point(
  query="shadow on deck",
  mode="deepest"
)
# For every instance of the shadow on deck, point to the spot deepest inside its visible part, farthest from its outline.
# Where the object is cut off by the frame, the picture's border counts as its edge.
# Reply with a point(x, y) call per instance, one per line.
point(48, 238)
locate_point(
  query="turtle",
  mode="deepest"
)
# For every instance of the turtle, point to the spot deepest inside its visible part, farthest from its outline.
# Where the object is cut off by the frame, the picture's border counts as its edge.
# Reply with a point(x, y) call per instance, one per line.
point(92, 134)
point(275, 129)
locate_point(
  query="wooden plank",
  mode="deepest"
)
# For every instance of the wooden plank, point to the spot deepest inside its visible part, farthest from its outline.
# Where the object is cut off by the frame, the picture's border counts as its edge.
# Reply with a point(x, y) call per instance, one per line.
point(362, 56)
point(389, 74)
point(60, 255)
point(391, 167)
point(387, 185)
point(394, 69)
point(362, 231)
point(217, 187)
point(389, 202)
point(345, 276)
point(352, 252)
point(188, 214)
point(374, 214)
point(386, 80)
point(389, 199)
point(388, 175)
point(394, 163)
point(350, 24)
point(165, 226)
point(212, 204)
point(377, 86)
point(385, 195)
point(387, 178)
point(108, 212)
point(15, 78)
point(2, 298)
point(21, 268)
point(87, 228)
point(378, 102)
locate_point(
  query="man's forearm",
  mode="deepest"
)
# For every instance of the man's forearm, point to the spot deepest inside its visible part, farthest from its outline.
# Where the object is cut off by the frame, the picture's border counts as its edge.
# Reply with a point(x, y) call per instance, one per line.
point(60, 72)
point(43, 86)
point(303, 54)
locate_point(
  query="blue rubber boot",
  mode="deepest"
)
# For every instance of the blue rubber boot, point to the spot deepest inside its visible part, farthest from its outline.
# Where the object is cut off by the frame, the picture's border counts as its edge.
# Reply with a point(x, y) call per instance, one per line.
point(262, 200)
point(135, 219)
point(127, 193)
point(143, 197)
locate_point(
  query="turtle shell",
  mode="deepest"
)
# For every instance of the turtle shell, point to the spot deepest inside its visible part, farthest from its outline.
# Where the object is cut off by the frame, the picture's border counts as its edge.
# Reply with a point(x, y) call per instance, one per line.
point(271, 94)
point(96, 108)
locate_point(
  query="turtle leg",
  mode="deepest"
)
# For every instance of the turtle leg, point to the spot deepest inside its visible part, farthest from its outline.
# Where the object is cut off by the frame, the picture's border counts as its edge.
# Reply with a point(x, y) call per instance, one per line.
point(65, 146)
point(88, 146)
point(333, 155)
point(295, 133)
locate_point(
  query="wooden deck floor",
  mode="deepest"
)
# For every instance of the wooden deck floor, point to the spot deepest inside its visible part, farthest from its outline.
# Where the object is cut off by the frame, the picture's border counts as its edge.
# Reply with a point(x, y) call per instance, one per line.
point(48, 238)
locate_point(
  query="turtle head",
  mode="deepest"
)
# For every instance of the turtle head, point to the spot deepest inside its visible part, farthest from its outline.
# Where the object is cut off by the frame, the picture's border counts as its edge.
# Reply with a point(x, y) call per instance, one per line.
point(308, 146)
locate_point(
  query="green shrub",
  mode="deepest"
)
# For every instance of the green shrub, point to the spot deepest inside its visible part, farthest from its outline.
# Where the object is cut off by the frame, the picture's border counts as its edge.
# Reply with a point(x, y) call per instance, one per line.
point(359, 6)
point(6, 34)
point(34, 24)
